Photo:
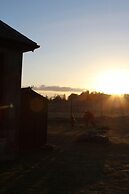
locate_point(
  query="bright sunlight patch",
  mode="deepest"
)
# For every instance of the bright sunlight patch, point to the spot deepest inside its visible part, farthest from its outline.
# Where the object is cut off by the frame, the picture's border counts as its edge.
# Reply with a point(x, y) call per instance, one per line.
point(113, 82)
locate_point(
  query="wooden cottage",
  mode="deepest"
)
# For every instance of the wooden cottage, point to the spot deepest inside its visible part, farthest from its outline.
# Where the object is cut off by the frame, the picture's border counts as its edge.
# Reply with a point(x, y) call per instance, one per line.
point(12, 46)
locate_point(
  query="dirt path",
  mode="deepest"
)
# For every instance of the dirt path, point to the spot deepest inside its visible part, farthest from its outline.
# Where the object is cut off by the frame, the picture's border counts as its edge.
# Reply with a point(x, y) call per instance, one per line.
point(70, 167)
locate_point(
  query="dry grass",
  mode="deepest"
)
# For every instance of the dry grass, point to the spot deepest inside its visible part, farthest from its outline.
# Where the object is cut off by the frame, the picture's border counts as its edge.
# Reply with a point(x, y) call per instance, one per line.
point(71, 167)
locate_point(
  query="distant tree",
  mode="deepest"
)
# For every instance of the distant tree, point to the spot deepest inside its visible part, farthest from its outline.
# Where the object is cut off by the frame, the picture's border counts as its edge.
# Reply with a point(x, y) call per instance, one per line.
point(47, 97)
point(72, 97)
point(64, 97)
point(84, 96)
point(58, 98)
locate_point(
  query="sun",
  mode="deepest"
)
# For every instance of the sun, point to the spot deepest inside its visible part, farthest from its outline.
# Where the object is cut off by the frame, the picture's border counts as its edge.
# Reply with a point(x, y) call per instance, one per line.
point(113, 82)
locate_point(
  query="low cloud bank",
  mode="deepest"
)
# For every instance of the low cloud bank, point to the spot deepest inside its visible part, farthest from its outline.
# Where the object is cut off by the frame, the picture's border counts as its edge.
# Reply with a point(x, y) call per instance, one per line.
point(58, 88)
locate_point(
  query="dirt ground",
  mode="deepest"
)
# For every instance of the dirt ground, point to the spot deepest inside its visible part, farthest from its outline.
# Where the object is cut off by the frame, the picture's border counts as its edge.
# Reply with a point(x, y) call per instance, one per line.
point(67, 166)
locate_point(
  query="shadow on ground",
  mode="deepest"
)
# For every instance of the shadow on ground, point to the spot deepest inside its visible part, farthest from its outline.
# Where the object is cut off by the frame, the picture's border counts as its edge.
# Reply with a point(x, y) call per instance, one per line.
point(68, 168)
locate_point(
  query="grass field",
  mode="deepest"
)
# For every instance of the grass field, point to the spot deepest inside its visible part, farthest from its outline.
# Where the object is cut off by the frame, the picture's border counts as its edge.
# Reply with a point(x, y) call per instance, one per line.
point(69, 167)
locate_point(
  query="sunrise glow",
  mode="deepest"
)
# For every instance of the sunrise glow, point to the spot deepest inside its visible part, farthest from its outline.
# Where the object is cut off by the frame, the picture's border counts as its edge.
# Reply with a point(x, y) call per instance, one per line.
point(113, 82)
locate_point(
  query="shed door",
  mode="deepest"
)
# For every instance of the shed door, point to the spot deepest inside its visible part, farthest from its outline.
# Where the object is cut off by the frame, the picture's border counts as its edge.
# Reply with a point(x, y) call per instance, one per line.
point(1, 77)
point(1, 94)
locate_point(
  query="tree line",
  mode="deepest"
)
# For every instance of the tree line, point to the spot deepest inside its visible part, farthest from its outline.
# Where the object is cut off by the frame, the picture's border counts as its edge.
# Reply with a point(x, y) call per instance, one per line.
point(97, 102)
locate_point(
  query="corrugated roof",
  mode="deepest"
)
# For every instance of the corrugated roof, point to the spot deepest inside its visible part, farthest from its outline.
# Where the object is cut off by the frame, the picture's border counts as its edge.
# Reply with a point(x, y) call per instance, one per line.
point(9, 37)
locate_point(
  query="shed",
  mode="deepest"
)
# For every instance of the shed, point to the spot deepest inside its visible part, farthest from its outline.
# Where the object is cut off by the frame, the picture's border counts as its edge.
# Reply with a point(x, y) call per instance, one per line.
point(33, 131)
point(12, 46)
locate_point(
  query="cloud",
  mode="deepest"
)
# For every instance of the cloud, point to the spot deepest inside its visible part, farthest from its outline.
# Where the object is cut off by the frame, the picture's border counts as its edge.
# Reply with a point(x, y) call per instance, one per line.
point(58, 88)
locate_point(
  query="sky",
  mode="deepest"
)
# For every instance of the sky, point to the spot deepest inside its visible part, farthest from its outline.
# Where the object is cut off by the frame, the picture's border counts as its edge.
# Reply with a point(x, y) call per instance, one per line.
point(84, 44)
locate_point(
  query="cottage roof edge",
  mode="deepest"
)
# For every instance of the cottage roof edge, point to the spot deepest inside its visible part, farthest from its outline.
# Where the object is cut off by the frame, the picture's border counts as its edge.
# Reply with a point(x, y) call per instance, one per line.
point(9, 34)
